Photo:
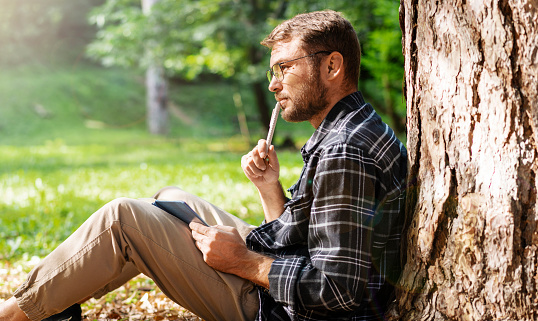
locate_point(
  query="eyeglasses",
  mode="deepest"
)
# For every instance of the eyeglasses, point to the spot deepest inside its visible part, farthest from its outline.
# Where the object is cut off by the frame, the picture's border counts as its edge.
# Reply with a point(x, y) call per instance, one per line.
point(276, 69)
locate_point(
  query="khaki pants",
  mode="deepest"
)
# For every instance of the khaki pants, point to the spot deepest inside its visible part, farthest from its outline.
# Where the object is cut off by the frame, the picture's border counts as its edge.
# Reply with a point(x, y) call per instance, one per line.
point(127, 237)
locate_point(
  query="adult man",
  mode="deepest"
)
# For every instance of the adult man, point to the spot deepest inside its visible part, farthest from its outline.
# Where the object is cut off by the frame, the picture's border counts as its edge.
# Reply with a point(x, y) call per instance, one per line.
point(328, 253)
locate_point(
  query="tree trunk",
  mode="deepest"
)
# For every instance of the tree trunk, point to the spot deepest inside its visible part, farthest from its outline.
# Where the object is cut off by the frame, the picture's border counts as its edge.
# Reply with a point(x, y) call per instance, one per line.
point(156, 100)
point(471, 80)
point(156, 90)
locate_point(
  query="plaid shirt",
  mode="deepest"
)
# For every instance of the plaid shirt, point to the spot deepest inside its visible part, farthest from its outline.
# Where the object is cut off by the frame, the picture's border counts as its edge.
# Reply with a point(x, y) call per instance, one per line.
point(336, 246)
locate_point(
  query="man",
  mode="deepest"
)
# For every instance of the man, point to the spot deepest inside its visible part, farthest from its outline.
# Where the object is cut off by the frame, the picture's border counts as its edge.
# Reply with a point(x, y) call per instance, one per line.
point(328, 253)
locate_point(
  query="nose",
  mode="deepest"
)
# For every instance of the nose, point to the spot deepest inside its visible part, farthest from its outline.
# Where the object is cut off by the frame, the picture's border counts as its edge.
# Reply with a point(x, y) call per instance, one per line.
point(275, 85)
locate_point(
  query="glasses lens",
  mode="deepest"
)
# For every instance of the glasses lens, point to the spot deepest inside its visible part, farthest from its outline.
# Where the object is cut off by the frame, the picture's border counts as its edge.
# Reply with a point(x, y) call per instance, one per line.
point(269, 75)
point(277, 72)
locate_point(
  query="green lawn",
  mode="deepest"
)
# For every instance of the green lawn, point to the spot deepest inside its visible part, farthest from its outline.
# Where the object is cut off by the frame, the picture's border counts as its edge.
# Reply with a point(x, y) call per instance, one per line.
point(73, 138)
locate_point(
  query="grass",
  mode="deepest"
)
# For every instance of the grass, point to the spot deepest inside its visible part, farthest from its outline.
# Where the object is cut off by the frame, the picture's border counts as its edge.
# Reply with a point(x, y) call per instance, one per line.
point(73, 138)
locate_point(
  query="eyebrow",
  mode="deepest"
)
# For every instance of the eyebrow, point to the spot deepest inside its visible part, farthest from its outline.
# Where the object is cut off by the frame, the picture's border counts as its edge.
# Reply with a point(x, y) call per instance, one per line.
point(282, 61)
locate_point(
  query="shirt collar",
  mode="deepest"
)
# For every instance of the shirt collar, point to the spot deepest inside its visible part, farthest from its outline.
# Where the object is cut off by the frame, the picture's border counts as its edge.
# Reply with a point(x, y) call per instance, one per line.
point(339, 110)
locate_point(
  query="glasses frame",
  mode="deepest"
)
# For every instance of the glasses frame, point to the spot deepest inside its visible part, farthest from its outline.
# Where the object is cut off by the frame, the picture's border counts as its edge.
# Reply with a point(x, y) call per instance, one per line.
point(271, 72)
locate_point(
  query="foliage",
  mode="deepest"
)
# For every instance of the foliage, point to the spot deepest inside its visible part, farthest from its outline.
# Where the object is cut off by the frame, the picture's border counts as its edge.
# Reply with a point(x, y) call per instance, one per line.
point(384, 64)
point(186, 37)
point(122, 34)
point(191, 38)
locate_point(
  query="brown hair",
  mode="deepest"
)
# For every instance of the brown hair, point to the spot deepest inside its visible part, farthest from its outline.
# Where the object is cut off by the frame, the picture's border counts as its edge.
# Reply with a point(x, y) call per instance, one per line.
point(320, 31)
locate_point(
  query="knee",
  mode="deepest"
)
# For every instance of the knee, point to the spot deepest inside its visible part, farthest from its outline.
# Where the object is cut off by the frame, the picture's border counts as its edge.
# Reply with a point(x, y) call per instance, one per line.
point(121, 202)
point(118, 209)
point(171, 193)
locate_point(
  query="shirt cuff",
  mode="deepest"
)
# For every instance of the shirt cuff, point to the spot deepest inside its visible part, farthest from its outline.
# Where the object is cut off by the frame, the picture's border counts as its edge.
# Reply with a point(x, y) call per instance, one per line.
point(283, 277)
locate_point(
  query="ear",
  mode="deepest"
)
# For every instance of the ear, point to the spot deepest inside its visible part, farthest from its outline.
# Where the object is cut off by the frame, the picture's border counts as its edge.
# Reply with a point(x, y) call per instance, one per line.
point(334, 66)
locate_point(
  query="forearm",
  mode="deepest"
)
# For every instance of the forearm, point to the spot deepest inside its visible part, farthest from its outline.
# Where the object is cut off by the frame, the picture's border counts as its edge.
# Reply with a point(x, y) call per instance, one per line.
point(254, 267)
point(273, 199)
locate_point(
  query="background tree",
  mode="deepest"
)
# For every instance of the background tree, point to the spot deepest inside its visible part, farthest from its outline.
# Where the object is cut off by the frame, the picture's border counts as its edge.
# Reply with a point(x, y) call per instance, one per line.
point(190, 38)
point(196, 38)
point(193, 38)
point(471, 69)
point(221, 37)
point(156, 84)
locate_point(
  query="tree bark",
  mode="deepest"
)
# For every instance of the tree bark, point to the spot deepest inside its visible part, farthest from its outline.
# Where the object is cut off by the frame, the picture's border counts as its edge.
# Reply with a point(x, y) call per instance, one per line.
point(471, 75)
point(156, 90)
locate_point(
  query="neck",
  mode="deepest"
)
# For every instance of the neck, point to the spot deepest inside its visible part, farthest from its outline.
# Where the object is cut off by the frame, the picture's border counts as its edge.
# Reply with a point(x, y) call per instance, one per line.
point(317, 119)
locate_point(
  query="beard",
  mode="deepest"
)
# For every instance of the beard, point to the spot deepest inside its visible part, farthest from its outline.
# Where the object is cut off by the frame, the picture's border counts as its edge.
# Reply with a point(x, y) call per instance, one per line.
point(310, 100)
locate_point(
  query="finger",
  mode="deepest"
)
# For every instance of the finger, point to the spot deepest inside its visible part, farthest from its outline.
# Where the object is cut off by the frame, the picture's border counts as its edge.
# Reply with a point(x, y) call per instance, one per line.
point(201, 247)
point(198, 227)
point(246, 165)
point(253, 161)
point(258, 160)
point(255, 170)
point(262, 148)
point(248, 172)
point(196, 236)
point(250, 168)
point(246, 159)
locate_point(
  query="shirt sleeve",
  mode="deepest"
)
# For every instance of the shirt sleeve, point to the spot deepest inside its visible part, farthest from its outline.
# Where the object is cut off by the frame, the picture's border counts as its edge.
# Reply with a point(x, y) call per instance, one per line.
point(334, 274)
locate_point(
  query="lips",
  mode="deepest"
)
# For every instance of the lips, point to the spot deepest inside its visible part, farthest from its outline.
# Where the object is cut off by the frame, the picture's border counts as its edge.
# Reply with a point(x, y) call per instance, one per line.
point(282, 102)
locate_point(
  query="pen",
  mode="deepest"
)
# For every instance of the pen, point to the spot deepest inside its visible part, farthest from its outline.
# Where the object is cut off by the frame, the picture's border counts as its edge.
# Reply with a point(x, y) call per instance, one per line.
point(272, 125)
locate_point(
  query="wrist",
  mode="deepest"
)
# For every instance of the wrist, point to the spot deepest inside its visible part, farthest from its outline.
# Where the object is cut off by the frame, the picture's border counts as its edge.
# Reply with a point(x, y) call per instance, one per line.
point(273, 200)
point(255, 267)
point(269, 187)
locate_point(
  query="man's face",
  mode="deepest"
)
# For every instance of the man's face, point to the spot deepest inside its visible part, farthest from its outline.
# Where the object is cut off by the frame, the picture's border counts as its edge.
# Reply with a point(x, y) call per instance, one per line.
point(301, 93)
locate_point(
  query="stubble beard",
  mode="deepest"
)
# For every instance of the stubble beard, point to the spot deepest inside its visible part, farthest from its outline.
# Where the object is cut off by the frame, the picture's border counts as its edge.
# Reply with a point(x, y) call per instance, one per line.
point(311, 99)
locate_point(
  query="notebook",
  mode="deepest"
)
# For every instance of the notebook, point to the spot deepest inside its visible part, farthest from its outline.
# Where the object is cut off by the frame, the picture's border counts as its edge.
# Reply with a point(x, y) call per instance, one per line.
point(180, 210)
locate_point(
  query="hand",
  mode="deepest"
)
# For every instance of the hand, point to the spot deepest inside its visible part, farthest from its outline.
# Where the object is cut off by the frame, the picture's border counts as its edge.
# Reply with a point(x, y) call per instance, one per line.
point(260, 167)
point(225, 251)
point(222, 246)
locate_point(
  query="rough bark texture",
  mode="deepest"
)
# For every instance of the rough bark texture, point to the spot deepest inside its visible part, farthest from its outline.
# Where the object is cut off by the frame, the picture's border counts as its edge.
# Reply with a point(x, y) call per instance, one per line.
point(472, 119)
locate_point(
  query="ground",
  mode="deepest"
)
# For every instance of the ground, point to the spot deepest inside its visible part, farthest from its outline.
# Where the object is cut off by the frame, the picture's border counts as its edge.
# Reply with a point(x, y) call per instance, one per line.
point(137, 300)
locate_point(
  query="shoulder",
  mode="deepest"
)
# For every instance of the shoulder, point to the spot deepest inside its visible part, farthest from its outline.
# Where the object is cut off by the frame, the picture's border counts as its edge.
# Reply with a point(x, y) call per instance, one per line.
point(363, 138)
point(364, 129)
